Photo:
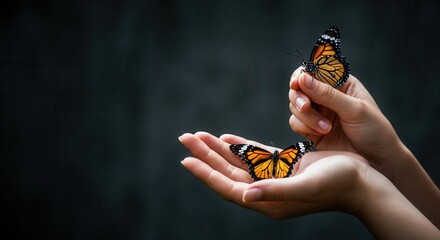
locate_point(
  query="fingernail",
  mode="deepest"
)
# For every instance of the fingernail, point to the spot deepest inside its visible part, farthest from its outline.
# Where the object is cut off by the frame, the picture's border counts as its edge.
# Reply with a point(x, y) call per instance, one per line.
point(324, 125)
point(299, 103)
point(309, 82)
point(252, 195)
point(181, 136)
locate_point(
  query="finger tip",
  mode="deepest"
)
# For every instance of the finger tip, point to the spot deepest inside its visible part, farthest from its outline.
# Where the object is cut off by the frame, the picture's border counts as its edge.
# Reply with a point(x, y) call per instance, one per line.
point(184, 162)
point(324, 125)
point(190, 163)
point(183, 136)
point(225, 135)
point(252, 195)
point(231, 138)
point(294, 84)
point(200, 133)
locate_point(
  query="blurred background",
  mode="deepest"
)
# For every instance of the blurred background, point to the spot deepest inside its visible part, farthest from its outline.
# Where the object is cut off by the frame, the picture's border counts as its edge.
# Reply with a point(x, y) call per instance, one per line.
point(95, 94)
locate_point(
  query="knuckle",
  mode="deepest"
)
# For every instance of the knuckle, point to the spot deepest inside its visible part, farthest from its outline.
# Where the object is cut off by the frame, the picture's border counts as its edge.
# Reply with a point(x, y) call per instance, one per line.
point(277, 194)
point(328, 91)
point(293, 122)
point(359, 109)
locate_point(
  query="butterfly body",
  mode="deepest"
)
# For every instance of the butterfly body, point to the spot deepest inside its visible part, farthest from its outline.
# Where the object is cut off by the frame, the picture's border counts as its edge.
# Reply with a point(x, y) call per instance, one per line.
point(326, 62)
point(263, 164)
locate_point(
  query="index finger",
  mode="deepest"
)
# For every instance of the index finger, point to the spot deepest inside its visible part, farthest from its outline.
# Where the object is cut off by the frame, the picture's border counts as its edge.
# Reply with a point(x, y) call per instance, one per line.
point(215, 153)
point(294, 78)
point(229, 189)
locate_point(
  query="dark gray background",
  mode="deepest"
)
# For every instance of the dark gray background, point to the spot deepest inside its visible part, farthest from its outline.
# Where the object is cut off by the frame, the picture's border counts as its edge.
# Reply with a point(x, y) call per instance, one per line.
point(95, 94)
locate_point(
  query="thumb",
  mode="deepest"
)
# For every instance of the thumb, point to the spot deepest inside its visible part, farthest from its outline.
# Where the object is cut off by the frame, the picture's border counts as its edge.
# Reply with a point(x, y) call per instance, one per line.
point(282, 189)
point(327, 96)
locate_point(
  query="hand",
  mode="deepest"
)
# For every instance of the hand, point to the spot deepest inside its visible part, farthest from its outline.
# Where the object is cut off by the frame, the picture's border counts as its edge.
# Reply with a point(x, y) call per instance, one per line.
point(321, 180)
point(347, 119)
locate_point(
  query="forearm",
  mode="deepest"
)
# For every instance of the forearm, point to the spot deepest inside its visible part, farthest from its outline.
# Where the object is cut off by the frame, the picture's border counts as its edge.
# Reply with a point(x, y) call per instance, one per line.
point(389, 215)
point(413, 182)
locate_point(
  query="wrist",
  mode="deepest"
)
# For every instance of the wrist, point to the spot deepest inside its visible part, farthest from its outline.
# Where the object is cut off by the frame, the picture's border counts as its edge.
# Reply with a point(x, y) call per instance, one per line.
point(393, 157)
point(409, 177)
point(399, 160)
point(388, 214)
point(357, 197)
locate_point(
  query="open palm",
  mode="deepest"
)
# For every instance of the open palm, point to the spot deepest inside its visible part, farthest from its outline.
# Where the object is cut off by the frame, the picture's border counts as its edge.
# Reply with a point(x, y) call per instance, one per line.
point(321, 180)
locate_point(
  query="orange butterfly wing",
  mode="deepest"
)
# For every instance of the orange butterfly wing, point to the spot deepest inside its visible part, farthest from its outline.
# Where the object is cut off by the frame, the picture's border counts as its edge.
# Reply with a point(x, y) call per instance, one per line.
point(287, 159)
point(331, 70)
point(263, 165)
point(326, 62)
point(259, 161)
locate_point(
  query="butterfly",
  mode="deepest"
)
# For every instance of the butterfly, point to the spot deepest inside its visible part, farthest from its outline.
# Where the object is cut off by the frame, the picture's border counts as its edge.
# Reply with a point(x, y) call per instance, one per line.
point(263, 164)
point(326, 62)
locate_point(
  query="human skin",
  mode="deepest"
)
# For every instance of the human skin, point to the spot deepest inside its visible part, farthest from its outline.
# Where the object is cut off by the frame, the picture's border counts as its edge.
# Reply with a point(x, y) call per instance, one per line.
point(348, 119)
point(322, 181)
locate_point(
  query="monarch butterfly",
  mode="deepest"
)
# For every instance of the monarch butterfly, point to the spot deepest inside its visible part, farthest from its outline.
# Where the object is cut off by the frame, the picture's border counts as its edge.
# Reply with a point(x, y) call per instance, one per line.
point(326, 62)
point(263, 164)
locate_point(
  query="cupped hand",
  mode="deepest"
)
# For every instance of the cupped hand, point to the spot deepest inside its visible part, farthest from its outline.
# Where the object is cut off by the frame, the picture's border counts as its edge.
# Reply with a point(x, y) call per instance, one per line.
point(345, 119)
point(321, 180)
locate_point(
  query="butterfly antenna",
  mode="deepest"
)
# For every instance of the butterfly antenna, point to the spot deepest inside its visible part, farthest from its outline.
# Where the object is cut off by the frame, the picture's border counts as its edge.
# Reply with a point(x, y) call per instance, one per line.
point(295, 55)
point(303, 61)
point(302, 58)
point(273, 145)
